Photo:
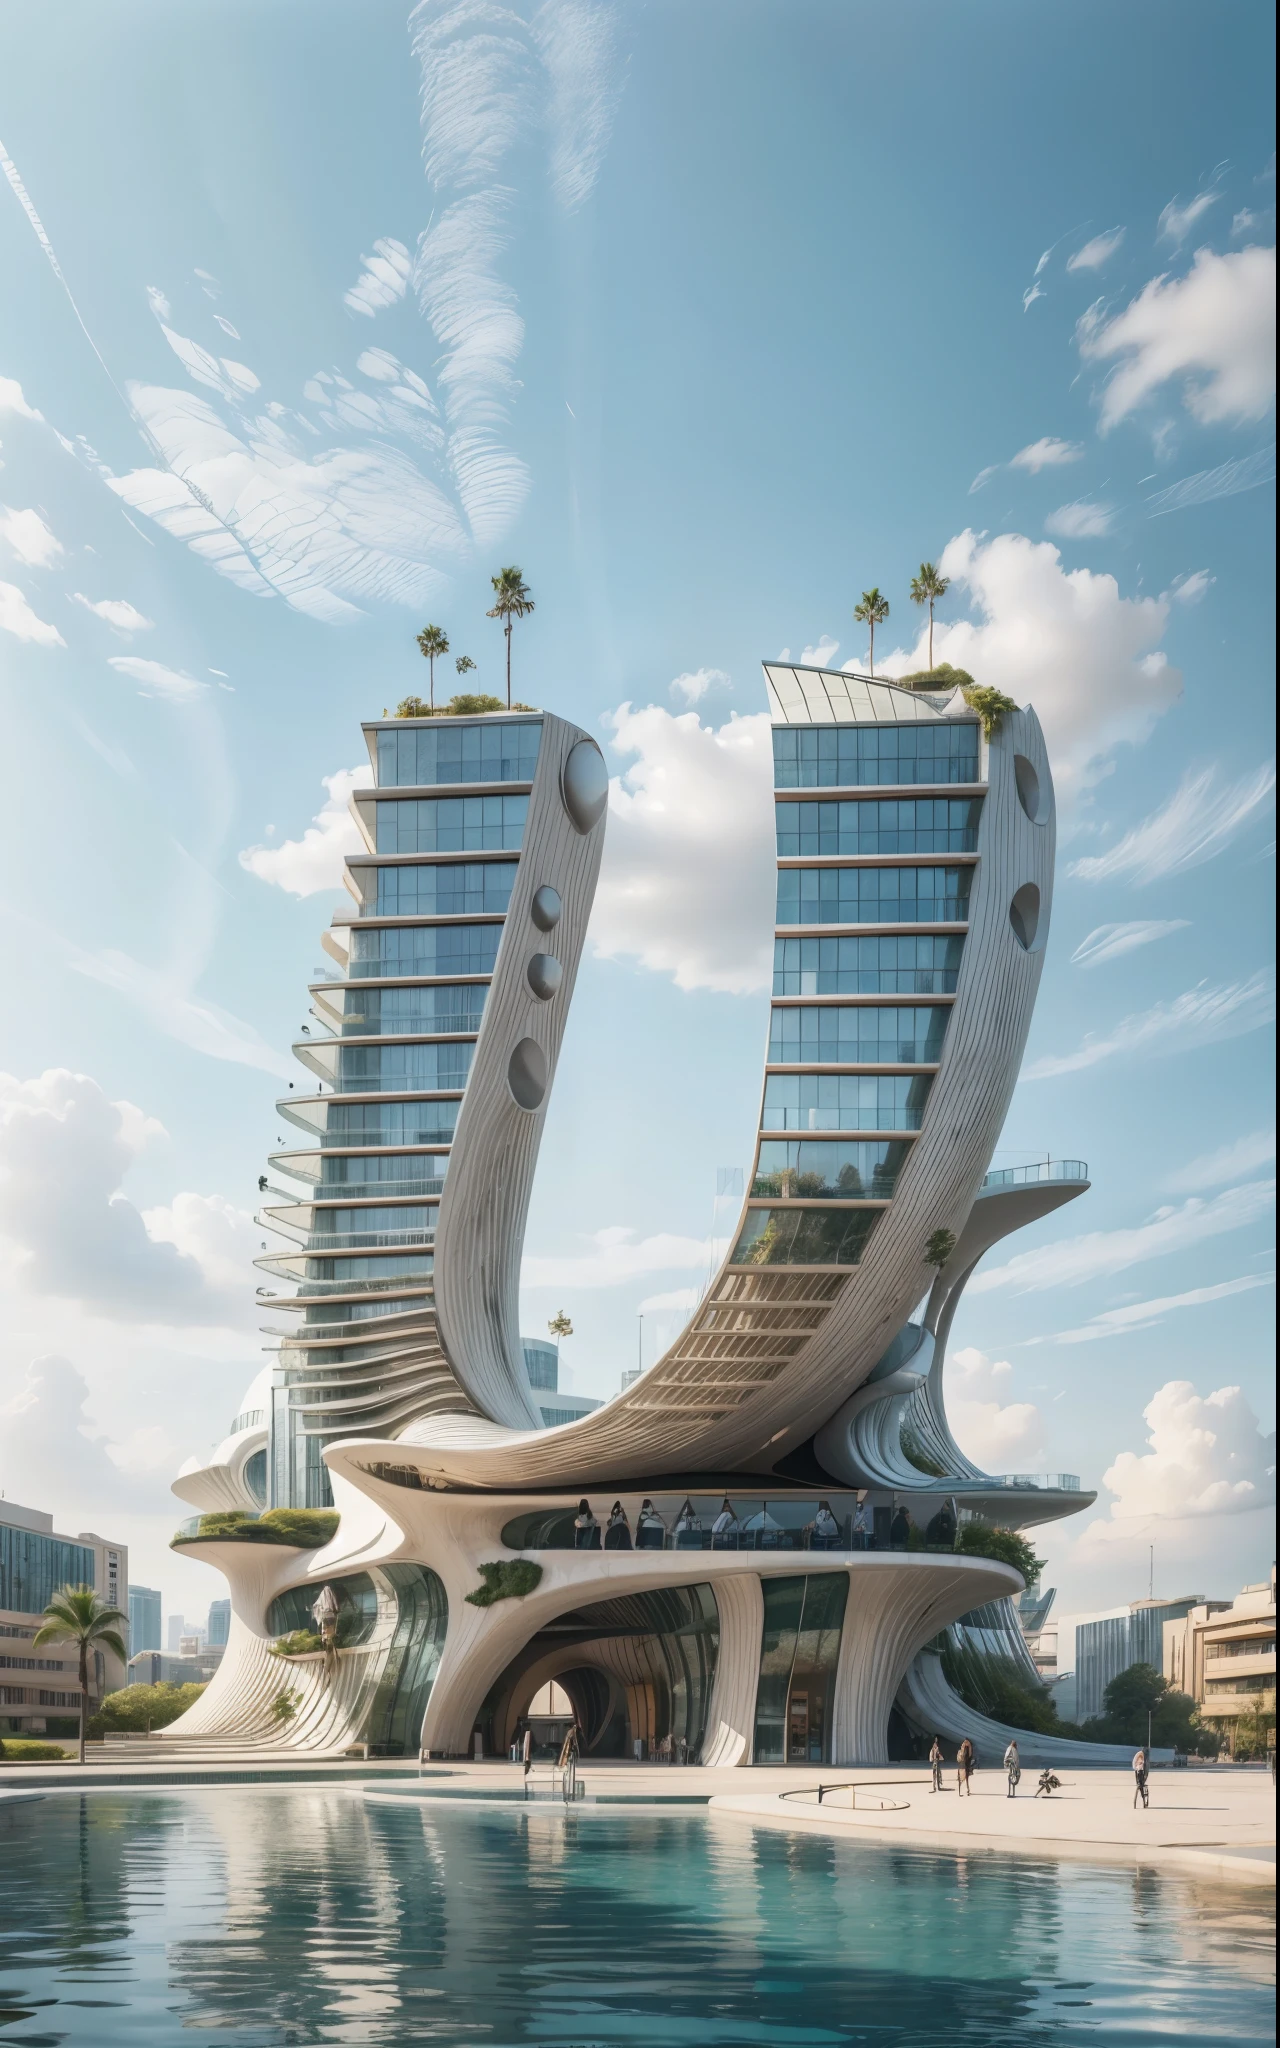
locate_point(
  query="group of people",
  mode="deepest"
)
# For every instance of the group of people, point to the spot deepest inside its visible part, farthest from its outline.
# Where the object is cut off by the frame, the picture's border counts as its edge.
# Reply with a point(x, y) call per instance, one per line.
point(967, 1764)
point(728, 1531)
point(940, 1531)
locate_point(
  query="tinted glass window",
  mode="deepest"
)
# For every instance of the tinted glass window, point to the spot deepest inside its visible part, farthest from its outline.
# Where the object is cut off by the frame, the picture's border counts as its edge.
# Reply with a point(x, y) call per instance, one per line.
point(840, 1031)
point(459, 890)
point(450, 751)
point(842, 756)
point(451, 824)
point(845, 1102)
point(424, 949)
point(873, 895)
point(868, 964)
point(922, 824)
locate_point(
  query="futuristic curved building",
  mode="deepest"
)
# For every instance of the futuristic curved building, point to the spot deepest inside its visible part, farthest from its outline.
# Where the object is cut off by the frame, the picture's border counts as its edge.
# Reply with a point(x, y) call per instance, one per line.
point(754, 1596)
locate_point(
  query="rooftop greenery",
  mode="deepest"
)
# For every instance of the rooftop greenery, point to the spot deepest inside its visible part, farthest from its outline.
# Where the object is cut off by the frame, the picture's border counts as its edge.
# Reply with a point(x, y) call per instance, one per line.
point(302, 1528)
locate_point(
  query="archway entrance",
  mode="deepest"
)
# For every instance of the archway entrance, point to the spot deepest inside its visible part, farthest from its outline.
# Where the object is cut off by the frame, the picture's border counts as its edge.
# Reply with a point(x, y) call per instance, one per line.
point(638, 1669)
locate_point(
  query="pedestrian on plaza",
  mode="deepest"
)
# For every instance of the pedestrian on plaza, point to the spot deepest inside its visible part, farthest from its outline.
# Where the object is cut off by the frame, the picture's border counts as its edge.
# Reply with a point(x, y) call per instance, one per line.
point(651, 1530)
point(617, 1530)
point(1141, 1772)
point(526, 1751)
point(1013, 1766)
point(935, 1764)
point(966, 1764)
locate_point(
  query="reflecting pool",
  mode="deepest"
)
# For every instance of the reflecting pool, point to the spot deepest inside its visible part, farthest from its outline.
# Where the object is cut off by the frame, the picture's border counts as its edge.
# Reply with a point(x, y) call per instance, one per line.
point(264, 1917)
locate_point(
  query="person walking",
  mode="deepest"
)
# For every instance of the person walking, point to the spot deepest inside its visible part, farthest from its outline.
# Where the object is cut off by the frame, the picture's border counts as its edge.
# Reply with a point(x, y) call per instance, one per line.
point(900, 1528)
point(1141, 1772)
point(935, 1764)
point(526, 1751)
point(966, 1763)
point(1013, 1766)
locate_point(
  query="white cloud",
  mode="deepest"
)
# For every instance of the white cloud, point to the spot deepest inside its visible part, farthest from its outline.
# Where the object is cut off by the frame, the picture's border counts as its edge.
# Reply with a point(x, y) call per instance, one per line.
point(1063, 641)
point(29, 538)
point(1212, 1169)
point(1191, 588)
point(677, 1301)
point(616, 1255)
point(1199, 821)
point(64, 1151)
point(1145, 1315)
point(1227, 480)
point(1213, 330)
point(1047, 453)
point(999, 1434)
point(304, 866)
point(164, 997)
point(116, 611)
point(1097, 1254)
point(158, 303)
point(1242, 222)
point(692, 687)
point(12, 400)
point(383, 279)
point(17, 617)
point(575, 39)
point(219, 1237)
point(173, 684)
point(1176, 221)
point(695, 802)
point(1097, 252)
point(1201, 1016)
point(46, 1445)
point(1113, 941)
point(1082, 519)
point(1206, 1456)
point(984, 476)
point(822, 655)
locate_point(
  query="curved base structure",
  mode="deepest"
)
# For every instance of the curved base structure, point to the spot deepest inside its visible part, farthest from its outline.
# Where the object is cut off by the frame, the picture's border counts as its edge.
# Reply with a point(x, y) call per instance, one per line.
point(932, 1708)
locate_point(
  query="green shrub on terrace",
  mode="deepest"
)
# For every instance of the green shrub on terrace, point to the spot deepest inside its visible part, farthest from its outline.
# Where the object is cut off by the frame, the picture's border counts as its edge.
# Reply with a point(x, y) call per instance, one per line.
point(509, 1580)
point(301, 1528)
point(304, 1642)
point(979, 1539)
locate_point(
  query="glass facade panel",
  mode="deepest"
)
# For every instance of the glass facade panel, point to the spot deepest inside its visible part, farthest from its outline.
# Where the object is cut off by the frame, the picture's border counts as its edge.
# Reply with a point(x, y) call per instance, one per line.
point(460, 889)
point(452, 824)
point(868, 964)
point(33, 1568)
point(424, 949)
point(385, 1012)
point(920, 824)
point(390, 1123)
point(398, 1172)
point(397, 1219)
point(873, 895)
point(845, 1102)
point(357, 1609)
point(422, 1620)
point(805, 1237)
point(844, 756)
point(362, 1068)
point(843, 1031)
point(449, 751)
point(799, 1654)
point(849, 1170)
point(395, 1266)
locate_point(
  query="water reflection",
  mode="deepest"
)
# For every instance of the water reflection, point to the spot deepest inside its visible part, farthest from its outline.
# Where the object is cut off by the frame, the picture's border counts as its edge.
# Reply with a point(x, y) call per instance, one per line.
point(308, 1915)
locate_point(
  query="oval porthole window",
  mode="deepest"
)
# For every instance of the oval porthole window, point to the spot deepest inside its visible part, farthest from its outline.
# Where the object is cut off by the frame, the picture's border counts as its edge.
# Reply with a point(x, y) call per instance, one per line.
point(1024, 915)
point(545, 908)
point(544, 974)
point(1028, 783)
point(584, 784)
point(527, 1074)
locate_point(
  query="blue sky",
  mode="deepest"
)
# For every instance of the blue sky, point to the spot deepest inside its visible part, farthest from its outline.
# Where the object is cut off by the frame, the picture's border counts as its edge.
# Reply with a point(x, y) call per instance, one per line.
point(708, 317)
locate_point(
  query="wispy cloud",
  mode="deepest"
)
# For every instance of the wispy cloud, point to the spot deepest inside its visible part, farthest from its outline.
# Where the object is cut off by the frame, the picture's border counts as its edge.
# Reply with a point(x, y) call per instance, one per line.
point(1203, 1016)
point(1199, 822)
point(1176, 220)
point(1113, 941)
point(17, 617)
point(692, 687)
point(1191, 588)
point(116, 611)
point(1227, 480)
point(1083, 519)
point(157, 680)
point(1046, 453)
point(12, 400)
point(28, 537)
point(1096, 1255)
point(384, 279)
point(1229, 1162)
point(1212, 332)
point(168, 1004)
point(1144, 1315)
point(1096, 252)
point(617, 1255)
point(304, 866)
point(822, 654)
point(984, 476)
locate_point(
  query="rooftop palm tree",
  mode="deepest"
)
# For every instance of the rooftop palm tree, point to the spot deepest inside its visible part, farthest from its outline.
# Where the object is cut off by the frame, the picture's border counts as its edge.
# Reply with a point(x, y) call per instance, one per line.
point(512, 602)
point(76, 1614)
point(929, 588)
point(433, 640)
point(873, 610)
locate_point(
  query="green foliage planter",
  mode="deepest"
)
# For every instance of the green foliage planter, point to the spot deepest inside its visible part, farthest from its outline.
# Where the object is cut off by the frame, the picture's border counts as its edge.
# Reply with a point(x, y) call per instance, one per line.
point(941, 677)
point(1005, 1546)
point(19, 1751)
point(136, 1708)
point(300, 1528)
point(304, 1642)
point(991, 706)
point(510, 1580)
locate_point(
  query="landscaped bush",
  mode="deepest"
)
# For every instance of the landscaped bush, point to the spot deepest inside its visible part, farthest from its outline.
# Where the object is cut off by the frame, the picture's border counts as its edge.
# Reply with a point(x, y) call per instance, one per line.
point(1141, 1692)
point(17, 1750)
point(940, 677)
point(303, 1642)
point(301, 1528)
point(991, 707)
point(467, 704)
point(980, 1539)
point(509, 1580)
point(136, 1708)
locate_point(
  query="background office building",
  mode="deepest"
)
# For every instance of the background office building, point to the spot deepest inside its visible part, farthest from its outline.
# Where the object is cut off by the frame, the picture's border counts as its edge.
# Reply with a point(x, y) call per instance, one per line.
point(144, 1619)
point(1224, 1655)
point(1107, 1644)
point(219, 1623)
point(40, 1690)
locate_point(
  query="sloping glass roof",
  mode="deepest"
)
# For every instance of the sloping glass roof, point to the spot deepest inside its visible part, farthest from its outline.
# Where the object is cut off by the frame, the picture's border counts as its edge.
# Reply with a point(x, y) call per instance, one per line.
point(826, 696)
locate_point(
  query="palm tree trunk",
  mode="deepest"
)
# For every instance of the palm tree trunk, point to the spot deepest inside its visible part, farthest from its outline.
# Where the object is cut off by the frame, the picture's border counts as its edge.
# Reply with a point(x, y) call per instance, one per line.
point(431, 664)
point(84, 1694)
point(509, 623)
point(930, 636)
point(873, 646)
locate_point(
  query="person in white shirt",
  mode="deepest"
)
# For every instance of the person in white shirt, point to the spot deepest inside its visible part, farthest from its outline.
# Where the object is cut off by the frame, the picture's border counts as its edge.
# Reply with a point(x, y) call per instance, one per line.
point(1013, 1766)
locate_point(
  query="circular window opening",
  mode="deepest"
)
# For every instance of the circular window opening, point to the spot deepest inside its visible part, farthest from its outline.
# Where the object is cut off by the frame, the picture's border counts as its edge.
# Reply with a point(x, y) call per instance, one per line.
point(543, 975)
point(545, 908)
point(584, 784)
point(1028, 788)
point(1024, 915)
point(527, 1074)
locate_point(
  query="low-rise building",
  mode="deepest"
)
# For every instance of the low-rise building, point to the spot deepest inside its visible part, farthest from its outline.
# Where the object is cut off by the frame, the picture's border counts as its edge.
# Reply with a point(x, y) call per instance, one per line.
point(1225, 1657)
point(40, 1689)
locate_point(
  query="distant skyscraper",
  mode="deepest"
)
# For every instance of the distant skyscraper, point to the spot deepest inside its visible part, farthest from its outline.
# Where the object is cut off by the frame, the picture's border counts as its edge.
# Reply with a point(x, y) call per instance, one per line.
point(219, 1622)
point(175, 1629)
point(144, 1619)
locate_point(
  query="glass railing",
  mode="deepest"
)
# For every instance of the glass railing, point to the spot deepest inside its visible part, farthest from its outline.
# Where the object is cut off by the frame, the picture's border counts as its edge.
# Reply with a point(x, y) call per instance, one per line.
point(752, 1524)
point(374, 1190)
point(1029, 1176)
point(377, 1240)
point(1050, 1482)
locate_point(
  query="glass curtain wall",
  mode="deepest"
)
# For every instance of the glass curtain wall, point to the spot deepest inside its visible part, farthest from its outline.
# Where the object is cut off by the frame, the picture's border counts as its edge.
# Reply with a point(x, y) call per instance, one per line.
point(799, 1654)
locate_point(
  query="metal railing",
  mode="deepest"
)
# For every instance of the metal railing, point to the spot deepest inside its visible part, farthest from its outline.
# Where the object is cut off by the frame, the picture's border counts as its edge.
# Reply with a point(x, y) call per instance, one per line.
point(1030, 1176)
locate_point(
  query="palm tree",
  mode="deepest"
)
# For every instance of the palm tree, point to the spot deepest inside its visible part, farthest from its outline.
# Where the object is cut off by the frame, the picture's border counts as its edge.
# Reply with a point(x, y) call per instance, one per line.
point(433, 640)
point(512, 602)
point(872, 612)
point(463, 663)
point(76, 1614)
point(929, 588)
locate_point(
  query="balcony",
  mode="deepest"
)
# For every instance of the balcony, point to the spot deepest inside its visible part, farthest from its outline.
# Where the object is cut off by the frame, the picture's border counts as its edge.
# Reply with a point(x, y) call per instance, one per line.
point(1034, 1176)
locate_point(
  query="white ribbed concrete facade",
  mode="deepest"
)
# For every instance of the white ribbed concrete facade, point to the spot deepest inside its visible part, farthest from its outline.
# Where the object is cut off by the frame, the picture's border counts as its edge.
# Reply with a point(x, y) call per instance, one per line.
point(748, 1599)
